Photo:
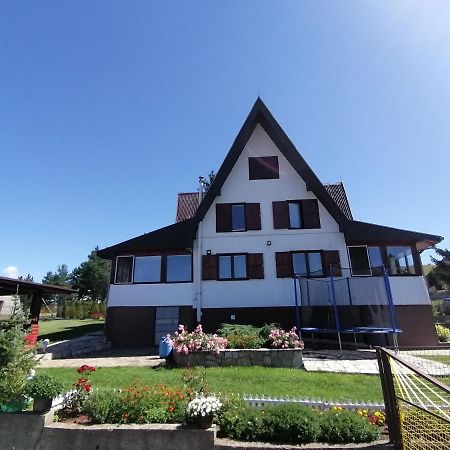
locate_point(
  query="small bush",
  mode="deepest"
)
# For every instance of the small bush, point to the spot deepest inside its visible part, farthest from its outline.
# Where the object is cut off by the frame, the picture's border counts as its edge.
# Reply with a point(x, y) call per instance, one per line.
point(232, 329)
point(443, 333)
point(44, 386)
point(244, 341)
point(341, 427)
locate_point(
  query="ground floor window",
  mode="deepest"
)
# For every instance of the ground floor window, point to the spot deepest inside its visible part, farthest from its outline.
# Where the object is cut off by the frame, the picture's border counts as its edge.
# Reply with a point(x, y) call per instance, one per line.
point(359, 260)
point(307, 264)
point(400, 260)
point(154, 269)
point(232, 267)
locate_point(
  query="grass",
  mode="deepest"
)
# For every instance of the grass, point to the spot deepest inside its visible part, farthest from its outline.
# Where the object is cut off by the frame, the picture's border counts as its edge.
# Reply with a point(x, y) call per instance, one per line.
point(445, 359)
point(243, 380)
point(62, 329)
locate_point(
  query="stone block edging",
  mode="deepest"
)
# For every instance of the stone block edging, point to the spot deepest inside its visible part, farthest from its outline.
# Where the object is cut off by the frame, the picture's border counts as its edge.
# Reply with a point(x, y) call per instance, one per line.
point(289, 357)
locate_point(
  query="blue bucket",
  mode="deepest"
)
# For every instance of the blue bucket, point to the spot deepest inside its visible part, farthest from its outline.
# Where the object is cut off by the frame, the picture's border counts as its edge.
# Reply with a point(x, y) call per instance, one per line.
point(165, 347)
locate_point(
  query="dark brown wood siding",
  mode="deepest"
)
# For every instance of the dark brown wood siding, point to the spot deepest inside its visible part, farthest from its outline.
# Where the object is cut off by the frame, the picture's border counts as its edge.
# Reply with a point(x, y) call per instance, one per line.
point(252, 216)
point(331, 258)
point(223, 217)
point(280, 215)
point(284, 264)
point(310, 213)
point(209, 267)
point(255, 266)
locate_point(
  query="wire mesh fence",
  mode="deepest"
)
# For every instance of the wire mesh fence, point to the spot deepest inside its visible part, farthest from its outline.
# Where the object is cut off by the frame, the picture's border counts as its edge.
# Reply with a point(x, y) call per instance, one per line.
point(418, 405)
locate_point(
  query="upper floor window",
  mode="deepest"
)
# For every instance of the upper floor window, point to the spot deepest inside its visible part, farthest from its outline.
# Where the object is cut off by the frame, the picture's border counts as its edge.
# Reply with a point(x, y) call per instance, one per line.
point(237, 217)
point(263, 168)
point(147, 269)
point(179, 268)
point(124, 269)
point(296, 214)
point(400, 260)
point(359, 260)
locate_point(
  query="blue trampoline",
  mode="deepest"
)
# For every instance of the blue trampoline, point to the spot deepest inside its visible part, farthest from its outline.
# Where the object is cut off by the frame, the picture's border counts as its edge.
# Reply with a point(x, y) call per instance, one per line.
point(338, 290)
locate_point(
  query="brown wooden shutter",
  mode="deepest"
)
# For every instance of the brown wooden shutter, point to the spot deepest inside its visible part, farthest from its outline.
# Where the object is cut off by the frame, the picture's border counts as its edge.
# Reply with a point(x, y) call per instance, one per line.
point(255, 266)
point(280, 215)
point(252, 216)
point(331, 257)
point(209, 267)
point(284, 264)
point(223, 217)
point(310, 214)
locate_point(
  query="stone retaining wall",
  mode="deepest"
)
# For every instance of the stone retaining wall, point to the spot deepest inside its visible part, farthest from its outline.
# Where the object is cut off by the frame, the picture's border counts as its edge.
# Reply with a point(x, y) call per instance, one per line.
point(242, 357)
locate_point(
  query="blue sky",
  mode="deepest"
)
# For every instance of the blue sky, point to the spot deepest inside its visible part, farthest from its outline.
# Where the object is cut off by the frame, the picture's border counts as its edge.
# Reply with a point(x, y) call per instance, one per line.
point(108, 109)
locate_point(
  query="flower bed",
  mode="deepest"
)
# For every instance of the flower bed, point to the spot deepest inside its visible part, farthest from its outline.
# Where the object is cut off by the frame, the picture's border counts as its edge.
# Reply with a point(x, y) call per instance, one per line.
point(281, 348)
point(291, 358)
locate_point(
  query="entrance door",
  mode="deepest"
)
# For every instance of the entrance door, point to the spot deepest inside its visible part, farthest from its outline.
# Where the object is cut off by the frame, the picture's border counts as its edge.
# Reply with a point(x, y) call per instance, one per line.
point(166, 321)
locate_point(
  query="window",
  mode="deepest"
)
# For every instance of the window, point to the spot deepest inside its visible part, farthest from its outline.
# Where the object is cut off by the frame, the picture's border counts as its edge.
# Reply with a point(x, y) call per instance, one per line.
point(263, 168)
point(154, 269)
point(232, 267)
point(359, 260)
point(308, 263)
point(147, 269)
point(237, 217)
point(400, 260)
point(376, 260)
point(179, 268)
point(296, 214)
point(124, 269)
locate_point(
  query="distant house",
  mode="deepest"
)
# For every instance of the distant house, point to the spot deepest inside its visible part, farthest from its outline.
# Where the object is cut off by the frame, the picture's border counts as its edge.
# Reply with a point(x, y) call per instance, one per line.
point(232, 254)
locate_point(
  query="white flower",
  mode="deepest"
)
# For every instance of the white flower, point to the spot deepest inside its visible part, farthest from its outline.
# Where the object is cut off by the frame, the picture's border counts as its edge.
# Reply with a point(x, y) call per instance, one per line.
point(202, 406)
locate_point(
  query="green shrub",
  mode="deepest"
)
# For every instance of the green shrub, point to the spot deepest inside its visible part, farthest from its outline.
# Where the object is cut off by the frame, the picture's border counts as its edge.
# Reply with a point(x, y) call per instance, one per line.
point(233, 329)
point(244, 341)
point(292, 423)
point(443, 333)
point(341, 427)
point(16, 357)
point(44, 386)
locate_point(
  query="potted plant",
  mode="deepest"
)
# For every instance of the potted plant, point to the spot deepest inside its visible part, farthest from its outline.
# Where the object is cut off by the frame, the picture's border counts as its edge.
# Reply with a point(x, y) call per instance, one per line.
point(201, 410)
point(43, 389)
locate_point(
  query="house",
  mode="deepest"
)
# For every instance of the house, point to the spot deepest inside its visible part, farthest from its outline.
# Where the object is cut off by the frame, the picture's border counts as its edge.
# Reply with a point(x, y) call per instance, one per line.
point(232, 254)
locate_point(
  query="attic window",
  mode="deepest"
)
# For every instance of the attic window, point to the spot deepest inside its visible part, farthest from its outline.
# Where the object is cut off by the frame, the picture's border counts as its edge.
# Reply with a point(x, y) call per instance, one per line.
point(263, 168)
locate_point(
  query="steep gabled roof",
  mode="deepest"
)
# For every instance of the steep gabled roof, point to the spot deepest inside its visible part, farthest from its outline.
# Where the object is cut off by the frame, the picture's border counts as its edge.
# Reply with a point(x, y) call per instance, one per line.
point(260, 114)
point(181, 234)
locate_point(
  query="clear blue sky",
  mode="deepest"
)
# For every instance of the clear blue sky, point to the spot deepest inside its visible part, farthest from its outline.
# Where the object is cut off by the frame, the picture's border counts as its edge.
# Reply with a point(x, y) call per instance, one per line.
point(108, 109)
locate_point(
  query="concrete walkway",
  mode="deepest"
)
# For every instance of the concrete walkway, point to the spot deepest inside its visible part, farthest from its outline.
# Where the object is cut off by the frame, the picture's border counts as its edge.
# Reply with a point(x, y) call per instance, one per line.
point(118, 361)
point(351, 361)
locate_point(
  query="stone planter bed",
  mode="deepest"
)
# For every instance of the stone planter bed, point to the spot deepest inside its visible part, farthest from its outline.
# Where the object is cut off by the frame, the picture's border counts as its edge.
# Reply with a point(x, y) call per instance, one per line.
point(42, 433)
point(291, 358)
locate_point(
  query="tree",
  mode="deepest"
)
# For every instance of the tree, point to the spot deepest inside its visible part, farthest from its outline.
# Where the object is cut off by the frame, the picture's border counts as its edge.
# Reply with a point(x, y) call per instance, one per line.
point(61, 277)
point(91, 278)
point(440, 275)
point(207, 182)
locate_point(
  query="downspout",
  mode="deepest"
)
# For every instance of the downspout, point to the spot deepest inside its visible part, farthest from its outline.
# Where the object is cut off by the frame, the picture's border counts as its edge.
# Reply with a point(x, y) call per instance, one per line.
point(199, 254)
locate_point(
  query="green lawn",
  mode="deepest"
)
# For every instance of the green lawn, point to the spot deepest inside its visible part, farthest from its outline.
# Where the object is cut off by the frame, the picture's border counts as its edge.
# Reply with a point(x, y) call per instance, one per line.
point(440, 358)
point(243, 380)
point(62, 329)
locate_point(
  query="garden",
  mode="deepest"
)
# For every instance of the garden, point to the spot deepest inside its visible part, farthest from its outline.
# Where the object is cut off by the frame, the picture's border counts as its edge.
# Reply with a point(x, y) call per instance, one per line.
point(194, 397)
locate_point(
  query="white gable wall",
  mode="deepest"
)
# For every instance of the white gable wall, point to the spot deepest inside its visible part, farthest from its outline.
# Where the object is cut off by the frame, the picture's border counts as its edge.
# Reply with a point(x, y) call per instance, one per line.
point(238, 188)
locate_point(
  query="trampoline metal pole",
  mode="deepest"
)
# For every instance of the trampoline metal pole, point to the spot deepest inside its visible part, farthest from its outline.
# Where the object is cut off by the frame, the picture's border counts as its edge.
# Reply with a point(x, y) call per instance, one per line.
point(336, 315)
point(387, 285)
point(297, 314)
